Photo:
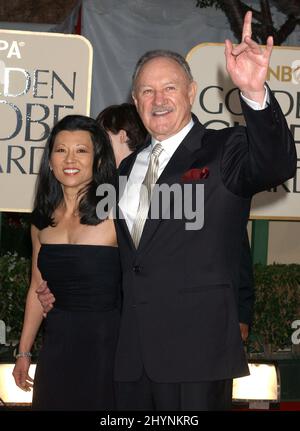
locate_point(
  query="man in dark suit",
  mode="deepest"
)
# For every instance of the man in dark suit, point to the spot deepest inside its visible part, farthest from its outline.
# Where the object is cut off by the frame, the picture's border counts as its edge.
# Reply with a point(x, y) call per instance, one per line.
point(180, 344)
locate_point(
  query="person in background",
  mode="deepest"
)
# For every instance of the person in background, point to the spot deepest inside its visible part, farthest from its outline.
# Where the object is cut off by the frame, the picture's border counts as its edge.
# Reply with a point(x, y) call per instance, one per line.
point(77, 253)
point(124, 127)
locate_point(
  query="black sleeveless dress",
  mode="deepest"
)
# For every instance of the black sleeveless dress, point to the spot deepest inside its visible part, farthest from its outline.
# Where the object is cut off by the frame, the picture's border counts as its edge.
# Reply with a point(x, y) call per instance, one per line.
point(75, 364)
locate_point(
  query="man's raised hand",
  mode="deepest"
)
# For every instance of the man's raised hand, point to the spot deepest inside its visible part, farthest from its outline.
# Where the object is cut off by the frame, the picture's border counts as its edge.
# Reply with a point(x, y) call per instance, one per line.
point(248, 62)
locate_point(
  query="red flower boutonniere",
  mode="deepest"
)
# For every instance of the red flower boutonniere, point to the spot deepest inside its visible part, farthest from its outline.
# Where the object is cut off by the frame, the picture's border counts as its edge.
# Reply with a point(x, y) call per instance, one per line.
point(195, 174)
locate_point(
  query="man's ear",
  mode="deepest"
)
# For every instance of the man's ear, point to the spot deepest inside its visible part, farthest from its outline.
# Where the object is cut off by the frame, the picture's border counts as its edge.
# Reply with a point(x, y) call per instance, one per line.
point(192, 91)
point(134, 99)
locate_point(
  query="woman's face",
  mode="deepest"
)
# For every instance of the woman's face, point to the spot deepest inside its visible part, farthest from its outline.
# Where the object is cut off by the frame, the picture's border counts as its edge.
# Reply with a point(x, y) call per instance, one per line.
point(72, 158)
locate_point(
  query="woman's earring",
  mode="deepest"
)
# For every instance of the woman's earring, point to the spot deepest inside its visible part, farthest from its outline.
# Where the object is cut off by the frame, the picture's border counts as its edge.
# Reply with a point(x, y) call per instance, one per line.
point(50, 167)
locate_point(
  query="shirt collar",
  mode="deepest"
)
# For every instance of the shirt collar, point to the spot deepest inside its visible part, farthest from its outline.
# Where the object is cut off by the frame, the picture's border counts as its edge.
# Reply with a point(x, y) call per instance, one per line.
point(171, 144)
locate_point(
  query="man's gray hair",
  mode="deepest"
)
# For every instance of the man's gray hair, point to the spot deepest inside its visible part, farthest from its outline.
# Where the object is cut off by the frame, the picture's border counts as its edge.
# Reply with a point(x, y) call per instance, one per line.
point(157, 53)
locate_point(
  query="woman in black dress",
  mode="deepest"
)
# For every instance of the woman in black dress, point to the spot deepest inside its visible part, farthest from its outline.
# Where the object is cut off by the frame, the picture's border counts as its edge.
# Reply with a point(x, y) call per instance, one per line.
point(76, 252)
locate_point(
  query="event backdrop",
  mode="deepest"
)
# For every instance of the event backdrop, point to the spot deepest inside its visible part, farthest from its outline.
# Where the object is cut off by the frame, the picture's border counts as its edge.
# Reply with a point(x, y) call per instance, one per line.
point(122, 30)
point(43, 77)
point(217, 105)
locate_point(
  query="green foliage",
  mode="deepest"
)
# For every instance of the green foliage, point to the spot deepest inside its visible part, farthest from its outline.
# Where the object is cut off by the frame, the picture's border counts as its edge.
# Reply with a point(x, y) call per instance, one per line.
point(15, 233)
point(14, 283)
point(277, 301)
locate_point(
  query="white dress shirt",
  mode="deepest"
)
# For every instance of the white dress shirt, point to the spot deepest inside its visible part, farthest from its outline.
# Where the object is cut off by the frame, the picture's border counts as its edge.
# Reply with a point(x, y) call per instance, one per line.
point(129, 201)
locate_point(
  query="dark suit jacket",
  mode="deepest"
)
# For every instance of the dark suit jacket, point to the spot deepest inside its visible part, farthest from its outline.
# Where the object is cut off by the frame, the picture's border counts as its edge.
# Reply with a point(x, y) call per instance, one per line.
point(245, 284)
point(180, 292)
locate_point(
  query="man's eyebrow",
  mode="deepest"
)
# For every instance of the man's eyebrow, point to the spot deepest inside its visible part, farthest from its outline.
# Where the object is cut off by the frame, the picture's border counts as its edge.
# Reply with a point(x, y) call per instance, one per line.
point(164, 83)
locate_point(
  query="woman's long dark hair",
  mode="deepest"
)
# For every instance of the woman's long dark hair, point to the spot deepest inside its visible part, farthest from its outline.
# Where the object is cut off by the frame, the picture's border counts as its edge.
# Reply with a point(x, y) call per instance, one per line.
point(49, 193)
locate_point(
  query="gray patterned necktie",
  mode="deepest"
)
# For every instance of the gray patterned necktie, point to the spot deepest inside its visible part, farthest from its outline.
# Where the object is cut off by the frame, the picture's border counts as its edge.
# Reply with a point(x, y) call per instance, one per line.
point(145, 194)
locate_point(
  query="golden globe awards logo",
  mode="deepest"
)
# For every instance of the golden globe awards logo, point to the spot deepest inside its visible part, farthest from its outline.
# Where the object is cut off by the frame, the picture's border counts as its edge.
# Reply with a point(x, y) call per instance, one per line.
point(43, 77)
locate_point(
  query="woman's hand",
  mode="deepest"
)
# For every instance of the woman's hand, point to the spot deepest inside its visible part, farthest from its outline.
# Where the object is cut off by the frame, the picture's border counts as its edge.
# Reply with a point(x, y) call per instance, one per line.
point(21, 376)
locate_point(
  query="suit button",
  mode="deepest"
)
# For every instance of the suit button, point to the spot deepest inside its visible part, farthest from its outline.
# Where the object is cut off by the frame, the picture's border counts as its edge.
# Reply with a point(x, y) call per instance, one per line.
point(136, 269)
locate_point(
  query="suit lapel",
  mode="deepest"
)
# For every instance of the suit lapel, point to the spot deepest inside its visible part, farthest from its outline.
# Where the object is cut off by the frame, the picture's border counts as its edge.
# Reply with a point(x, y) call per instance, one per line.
point(180, 162)
point(185, 153)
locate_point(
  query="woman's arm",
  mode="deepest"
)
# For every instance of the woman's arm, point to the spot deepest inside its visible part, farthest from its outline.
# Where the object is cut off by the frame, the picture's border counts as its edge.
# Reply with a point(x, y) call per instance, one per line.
point(32, 319)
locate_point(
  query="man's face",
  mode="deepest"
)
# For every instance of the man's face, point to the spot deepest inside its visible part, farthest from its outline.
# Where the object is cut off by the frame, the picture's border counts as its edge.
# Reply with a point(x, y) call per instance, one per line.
point(163, 96)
